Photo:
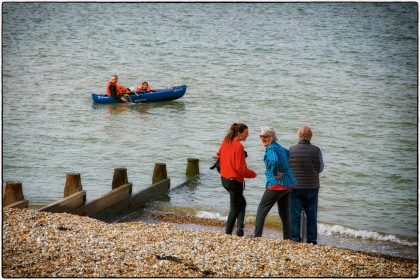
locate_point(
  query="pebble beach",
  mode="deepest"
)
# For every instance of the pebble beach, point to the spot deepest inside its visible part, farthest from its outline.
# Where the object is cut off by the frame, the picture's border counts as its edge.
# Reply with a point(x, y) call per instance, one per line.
point(40, 244)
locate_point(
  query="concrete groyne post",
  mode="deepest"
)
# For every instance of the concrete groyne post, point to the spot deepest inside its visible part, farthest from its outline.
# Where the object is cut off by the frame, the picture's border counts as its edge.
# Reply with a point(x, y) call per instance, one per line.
point(12, 193)
point(192, 168)
point(120, 177)
point(73, 184)
point(159, 173)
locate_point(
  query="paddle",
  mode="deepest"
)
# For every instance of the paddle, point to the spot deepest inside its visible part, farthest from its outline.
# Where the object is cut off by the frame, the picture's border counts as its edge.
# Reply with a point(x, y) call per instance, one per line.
point(129, 97)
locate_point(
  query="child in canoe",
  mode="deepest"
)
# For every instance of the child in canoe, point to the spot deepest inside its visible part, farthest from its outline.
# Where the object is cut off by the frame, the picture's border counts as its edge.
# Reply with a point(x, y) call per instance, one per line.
point(144, 88)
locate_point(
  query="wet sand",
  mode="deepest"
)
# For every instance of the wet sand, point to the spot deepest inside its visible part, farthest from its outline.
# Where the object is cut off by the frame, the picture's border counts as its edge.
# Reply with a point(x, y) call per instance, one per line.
point(37, 244)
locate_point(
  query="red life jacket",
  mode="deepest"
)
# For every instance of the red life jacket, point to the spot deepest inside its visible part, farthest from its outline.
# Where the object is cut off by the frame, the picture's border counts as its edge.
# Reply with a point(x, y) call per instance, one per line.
point(147, 89)
point(121, 90)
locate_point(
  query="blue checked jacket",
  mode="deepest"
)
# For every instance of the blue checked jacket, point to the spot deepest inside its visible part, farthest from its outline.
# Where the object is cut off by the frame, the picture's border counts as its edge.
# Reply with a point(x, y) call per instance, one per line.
point(276, 160)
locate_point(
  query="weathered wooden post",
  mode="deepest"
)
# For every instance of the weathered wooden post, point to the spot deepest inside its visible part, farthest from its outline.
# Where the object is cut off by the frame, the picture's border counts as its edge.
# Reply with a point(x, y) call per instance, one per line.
point(120, 177)
point(192, 168)
point(74, 197)
point(73, 184)
point(12, 193)
point(159, 173)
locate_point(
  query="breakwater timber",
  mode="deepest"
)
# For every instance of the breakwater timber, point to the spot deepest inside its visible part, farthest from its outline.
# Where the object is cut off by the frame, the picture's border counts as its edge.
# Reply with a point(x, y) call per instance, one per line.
point(111, 205)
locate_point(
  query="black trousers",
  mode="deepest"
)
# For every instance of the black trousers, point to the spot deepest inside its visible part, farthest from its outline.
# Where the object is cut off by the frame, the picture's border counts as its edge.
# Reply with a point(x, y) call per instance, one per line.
point(268, 199)
point(237, 205)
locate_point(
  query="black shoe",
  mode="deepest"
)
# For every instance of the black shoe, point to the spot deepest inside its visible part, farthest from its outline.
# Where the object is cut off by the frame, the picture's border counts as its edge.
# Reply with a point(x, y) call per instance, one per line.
point(240, 232)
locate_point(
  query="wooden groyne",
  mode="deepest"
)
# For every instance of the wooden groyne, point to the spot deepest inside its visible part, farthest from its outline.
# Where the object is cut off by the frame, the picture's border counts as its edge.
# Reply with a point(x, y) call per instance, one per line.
point(117, 202)
point(13, 195)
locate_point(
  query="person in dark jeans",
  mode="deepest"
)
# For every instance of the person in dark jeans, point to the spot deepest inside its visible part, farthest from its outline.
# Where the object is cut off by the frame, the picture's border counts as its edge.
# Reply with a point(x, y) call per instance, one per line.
point(269, 198)
point(279, 179)
point(233, 171)
point(306, 162)
point(237, 206)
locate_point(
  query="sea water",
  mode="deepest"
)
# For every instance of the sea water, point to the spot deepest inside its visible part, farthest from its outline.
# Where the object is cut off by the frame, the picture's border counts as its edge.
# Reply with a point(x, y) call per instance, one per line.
point(349, 70)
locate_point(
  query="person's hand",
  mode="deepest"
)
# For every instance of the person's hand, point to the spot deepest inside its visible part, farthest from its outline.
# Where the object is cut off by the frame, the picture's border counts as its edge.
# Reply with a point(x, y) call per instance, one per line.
point(279, 175)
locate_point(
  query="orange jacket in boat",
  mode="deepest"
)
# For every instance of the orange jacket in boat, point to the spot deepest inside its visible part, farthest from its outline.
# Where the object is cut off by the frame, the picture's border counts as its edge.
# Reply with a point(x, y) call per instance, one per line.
point(147, 88)
point(121, 90)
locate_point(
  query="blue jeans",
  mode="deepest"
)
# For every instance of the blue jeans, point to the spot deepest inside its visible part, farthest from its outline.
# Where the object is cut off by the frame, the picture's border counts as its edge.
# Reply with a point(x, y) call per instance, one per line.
point(306, 199)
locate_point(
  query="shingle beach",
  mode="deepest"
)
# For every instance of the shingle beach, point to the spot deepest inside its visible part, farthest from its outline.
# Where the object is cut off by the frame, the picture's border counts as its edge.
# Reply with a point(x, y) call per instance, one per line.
point(39, 244)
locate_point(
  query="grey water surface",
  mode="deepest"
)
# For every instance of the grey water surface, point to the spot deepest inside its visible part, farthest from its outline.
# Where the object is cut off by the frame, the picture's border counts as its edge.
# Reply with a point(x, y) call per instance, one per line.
point(349, 70)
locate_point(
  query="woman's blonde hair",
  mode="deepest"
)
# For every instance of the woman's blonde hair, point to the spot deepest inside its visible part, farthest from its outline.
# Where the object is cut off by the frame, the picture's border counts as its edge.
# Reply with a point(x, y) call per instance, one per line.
point(304, 132)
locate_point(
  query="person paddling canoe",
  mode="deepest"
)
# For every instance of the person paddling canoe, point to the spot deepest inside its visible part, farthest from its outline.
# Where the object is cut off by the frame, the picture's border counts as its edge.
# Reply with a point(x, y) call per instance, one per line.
point(116, 90)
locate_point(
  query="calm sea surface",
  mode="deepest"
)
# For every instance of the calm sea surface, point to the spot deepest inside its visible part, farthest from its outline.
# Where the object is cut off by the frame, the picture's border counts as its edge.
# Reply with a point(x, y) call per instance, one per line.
point(349, 70)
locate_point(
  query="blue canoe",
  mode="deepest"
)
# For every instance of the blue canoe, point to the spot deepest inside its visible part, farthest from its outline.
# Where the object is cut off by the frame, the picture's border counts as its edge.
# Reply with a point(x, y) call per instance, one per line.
point(154, 96)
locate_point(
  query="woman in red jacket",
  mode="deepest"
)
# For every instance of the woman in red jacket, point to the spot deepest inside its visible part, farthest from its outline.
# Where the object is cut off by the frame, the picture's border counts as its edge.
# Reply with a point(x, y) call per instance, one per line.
point(233, 171)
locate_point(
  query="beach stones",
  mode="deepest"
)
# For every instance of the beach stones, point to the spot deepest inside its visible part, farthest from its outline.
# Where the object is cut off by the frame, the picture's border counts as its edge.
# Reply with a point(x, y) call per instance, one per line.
point(41, 244)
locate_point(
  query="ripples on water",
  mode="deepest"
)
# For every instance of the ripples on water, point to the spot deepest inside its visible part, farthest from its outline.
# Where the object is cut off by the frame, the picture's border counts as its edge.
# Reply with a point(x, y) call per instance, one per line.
point(347, 69)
